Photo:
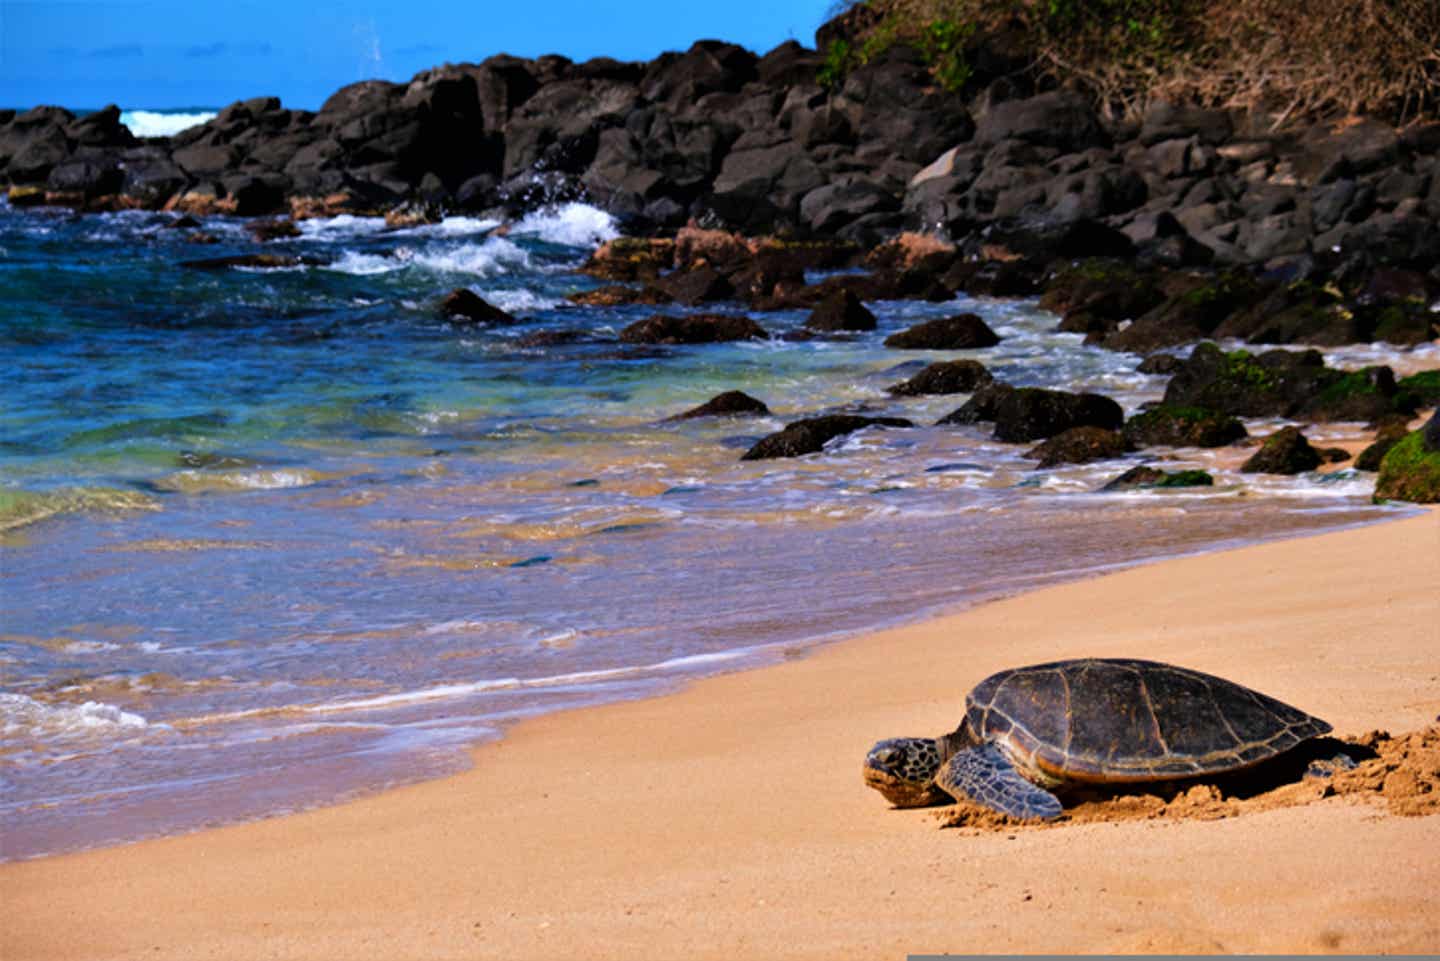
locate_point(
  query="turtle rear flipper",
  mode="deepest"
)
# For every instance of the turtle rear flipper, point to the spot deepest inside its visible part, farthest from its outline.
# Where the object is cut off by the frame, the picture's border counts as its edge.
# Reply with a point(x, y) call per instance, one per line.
point(985, 775)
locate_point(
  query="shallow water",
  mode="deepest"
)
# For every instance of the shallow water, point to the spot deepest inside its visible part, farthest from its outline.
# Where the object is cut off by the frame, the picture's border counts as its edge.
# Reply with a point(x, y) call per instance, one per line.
point(274, 538)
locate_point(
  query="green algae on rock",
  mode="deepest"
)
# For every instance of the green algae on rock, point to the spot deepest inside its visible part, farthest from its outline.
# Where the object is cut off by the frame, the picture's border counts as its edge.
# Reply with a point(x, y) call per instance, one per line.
point(1411, 471)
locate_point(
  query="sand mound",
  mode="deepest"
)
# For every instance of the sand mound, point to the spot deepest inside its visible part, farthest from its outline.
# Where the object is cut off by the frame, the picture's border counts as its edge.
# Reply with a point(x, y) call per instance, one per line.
point(1401, 771)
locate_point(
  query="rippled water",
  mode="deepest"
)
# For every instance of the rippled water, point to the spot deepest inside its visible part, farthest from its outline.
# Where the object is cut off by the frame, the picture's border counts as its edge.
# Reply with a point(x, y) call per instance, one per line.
point(277, 537)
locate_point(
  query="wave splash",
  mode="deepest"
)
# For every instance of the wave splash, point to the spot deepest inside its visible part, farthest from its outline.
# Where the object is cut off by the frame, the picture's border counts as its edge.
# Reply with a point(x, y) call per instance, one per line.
point(159, 123)
point(22, 716)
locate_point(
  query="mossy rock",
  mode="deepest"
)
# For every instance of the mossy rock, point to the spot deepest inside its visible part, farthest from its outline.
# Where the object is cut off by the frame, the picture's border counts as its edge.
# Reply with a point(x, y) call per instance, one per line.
point(1107, 289)
point(1403, 324)
point(1146, 477)
point(1411, 471)
point(1424, 387)
point(1187, 478)
point(1176, 426)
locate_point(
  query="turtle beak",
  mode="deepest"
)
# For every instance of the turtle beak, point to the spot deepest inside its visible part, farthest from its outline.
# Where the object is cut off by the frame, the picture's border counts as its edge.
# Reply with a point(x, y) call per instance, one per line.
point(884, 756)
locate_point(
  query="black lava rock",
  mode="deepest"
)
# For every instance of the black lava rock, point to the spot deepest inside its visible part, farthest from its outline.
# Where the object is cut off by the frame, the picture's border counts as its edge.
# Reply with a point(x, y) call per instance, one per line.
point(961, 332)
point(1285, 452)
point(946, 377)
point(810, 435)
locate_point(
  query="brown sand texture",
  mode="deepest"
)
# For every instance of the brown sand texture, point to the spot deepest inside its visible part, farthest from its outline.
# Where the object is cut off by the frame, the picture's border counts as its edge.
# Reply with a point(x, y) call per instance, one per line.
point(729, 820)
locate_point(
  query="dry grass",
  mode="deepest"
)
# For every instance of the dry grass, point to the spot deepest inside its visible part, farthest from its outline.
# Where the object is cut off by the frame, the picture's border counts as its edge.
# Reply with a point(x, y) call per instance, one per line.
point(1291, 62)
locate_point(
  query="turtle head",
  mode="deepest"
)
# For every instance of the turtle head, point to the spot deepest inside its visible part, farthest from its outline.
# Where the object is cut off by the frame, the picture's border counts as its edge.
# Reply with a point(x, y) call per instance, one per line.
point(903, 769)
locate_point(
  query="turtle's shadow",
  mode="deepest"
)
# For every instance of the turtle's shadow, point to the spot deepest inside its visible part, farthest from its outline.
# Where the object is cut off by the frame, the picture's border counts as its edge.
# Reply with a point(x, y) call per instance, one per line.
point(1319, 757)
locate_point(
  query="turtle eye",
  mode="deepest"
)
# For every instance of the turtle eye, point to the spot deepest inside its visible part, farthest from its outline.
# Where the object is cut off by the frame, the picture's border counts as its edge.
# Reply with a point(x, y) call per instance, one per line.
point(887, 756)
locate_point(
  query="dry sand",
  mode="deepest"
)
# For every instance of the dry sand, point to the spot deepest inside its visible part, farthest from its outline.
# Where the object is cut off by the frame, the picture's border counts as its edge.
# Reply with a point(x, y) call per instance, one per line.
point(729, 820)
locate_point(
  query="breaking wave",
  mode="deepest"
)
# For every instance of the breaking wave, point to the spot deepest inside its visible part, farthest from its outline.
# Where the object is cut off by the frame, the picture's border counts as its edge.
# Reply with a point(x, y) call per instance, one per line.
point(158, 123)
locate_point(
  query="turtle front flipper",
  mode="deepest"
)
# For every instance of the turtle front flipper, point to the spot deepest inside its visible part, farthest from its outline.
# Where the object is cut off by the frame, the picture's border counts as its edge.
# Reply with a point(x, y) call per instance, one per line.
point(985, 775)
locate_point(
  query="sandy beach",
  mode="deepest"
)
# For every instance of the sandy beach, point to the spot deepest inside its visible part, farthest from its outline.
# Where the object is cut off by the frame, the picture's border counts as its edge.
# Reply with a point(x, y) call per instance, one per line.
point(729, 820)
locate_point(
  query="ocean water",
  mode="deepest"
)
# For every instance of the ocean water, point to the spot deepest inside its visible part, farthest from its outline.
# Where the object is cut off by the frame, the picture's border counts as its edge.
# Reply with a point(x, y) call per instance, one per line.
point(275, 538)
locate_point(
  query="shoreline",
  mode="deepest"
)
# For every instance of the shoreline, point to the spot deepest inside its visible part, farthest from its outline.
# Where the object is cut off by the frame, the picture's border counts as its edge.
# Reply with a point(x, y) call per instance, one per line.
point(728, 818)
point(759, 656)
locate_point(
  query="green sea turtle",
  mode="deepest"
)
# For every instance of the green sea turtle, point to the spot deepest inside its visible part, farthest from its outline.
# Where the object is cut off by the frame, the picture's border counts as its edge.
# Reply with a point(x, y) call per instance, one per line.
point(1095, 721)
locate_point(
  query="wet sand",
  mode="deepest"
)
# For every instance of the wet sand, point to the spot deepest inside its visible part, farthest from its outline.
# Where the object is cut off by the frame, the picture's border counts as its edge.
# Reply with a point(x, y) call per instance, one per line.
point(729, 820)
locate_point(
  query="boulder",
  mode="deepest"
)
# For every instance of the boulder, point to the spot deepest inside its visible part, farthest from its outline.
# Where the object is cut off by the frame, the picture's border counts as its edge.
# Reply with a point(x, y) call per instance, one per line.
point(946, 377)
point(1137, 478)
point(630, 258)
point(1078, 445)
point(695, 286)
point(1284, 452)
point(266, 230)
point(1187, 315)
point(960, 332)
point(1183, 427)
point(464, 304)
point(692, 329)
point(982, 407)
point(732, 403)
point(841, 311)
point(1282, 383)
point(253, 262)
point(1061, 119)
point(811, 434)
point(1411, 470)
point(1033, 413)
point(1163, 364)
point(833, 206)
point(1391, 432)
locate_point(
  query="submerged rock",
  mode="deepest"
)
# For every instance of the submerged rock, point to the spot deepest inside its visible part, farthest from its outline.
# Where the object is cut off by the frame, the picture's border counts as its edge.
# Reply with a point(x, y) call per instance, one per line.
point(463, 303)
point(946, 377)
point(1286, 451)
point(732, 403)
point(1137, 478)
point(253, 262)
point(811, 434)
point(1078, 445)
point(692, 329)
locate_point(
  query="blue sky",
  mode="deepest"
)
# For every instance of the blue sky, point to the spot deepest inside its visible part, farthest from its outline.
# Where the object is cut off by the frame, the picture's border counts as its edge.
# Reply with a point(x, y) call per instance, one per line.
point(174, 53)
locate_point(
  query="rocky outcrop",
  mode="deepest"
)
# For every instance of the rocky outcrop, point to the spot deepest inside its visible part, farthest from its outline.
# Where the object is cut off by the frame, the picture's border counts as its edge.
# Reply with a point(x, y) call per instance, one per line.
point(811, 434)
point(1282, 383)
point(717, 134)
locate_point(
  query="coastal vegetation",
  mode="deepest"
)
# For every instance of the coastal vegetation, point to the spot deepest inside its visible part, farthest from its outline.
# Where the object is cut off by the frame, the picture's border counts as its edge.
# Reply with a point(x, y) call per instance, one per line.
point(1290, 62)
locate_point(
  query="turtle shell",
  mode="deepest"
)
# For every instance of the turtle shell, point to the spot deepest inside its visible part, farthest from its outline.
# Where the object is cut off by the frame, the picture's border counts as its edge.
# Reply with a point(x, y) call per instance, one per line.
point(1112, 720)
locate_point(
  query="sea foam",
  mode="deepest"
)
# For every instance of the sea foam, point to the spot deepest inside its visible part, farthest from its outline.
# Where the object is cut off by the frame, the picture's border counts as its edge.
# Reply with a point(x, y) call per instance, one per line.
point(155, 123)
point(571, 224)
point(25, 716)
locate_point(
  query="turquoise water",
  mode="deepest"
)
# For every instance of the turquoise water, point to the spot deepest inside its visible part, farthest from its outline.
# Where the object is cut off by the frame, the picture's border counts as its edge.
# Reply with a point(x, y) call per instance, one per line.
point(272, 538)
